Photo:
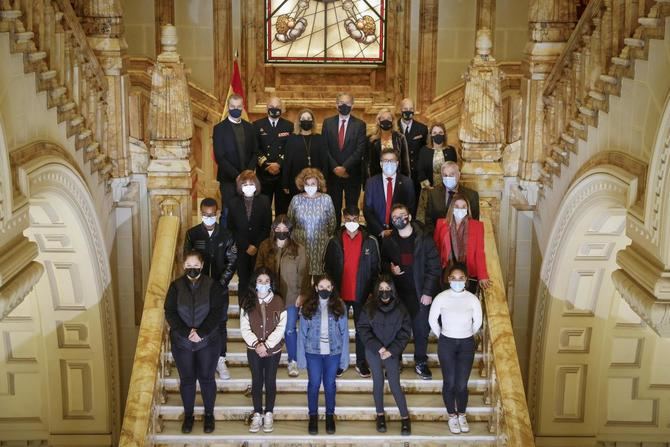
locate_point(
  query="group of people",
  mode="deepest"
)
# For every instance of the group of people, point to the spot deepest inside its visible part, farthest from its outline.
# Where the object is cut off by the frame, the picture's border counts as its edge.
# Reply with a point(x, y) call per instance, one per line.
point(415, 266)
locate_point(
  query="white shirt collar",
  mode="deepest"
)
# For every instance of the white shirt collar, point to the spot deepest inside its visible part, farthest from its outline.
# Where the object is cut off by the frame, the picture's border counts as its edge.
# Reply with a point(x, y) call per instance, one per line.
point(406, 124)
point(273, 121)
point(232, 120)
point(392, 177)
point(267, 299)
point(344, 118)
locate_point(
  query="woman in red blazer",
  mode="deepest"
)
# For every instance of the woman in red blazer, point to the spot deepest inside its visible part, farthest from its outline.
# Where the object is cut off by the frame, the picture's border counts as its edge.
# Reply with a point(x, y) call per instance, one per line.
point(459, 238)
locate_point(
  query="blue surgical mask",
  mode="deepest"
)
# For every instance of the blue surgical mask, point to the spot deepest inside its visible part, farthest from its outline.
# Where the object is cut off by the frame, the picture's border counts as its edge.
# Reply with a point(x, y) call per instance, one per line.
point(449, 182)
point(457, 286)
point(235, 113)
point(208, 220)
point(263, 289)
point(389, 168)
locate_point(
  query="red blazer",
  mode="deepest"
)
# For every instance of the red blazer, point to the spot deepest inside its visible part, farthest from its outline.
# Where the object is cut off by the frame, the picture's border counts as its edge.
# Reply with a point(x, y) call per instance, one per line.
point(475, 258)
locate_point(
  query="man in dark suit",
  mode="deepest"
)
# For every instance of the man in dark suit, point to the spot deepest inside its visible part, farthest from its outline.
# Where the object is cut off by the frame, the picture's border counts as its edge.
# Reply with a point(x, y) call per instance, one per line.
point(416, 134)
point(345, 147)
point(439, 198)
point(272, 133)
point(382, 191)
point(235, 147)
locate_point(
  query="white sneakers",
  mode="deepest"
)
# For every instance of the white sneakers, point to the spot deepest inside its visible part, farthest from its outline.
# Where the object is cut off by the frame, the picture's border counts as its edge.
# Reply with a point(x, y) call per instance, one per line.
point(258, 421)
point(458, 424)
point(463, 423)
point(222, 369)
point(293, 369)
point(454, 426)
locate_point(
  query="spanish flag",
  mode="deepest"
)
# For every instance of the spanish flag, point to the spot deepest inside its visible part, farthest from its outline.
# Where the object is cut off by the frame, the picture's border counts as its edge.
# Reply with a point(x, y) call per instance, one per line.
point(236, 88)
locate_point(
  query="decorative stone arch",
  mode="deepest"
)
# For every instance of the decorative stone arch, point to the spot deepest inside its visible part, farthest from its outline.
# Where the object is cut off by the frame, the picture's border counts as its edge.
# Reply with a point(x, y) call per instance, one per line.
point(84, 401)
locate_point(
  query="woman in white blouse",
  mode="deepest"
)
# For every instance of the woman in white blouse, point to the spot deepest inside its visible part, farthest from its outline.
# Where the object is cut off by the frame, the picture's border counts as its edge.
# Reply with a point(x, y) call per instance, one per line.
point(455, 317)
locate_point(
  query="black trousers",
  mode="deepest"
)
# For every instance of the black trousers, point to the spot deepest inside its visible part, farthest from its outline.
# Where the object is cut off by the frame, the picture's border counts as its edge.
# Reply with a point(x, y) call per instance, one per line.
point(228, 191)
point(360, 347)
point(420, 331)
point(223, 324)
point(263, 373)
point(197, 365)
point(351, 187)
point(245, 268)
point(273, 189)
point(392, 367)
point(456, 356)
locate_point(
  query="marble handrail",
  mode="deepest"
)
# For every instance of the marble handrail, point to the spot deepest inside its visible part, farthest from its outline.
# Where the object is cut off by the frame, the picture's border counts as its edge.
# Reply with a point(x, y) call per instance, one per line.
point(141, 403)
point(516, 429)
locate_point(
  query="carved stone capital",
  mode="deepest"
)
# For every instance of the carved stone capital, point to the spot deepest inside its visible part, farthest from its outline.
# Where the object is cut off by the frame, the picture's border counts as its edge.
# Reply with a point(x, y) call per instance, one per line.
point(654, 312)
point(647, 271)
point(13, 292)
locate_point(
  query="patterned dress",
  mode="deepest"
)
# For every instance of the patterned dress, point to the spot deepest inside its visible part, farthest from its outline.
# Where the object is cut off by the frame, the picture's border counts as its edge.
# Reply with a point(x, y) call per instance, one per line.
point(314, 222)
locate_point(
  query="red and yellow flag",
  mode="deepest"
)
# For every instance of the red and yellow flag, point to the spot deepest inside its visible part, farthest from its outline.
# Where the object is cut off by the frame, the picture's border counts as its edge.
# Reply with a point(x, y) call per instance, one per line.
point(236, 88)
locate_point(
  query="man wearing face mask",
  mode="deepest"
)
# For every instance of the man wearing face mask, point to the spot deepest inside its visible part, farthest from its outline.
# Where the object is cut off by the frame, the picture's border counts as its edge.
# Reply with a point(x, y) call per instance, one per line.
point(440, 197)
point(272, 132)
point(416, 134)
point(345, 143)
point(382, 191)
point(235, 149)
point(409, 254)
point(352, 260)
point(219, 252)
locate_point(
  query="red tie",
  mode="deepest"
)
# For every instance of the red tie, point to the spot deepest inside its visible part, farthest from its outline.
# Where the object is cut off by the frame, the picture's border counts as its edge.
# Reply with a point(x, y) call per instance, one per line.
point(340, 136)
point(389, 198)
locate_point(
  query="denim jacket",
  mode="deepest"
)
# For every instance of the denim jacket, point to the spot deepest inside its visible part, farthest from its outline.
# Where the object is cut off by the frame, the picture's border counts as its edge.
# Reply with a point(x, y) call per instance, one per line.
point(309, 335)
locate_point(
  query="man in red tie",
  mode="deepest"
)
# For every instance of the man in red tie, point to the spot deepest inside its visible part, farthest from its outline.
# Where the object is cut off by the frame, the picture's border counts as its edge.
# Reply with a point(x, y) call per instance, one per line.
point(384, 190)
point(345, 143)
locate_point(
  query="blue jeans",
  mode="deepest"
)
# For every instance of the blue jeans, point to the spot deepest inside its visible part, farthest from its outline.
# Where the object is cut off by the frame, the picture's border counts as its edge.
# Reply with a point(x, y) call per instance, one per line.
point(290, 334)
point(321, 368)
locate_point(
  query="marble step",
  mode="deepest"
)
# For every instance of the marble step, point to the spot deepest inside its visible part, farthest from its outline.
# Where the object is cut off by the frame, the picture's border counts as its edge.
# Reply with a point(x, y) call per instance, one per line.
point(349, 407)
point(349, 433)
point(350, 382)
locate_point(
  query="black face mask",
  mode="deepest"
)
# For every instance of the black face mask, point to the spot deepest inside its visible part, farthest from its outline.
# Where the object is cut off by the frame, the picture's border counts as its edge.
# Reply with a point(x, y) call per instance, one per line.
point(235, 113)
point(281, 235)
point(437, 139)
point(344, 109)
point(386, 124)
point(192, 272)
point(306, 124)
point(385, 296)
point(400, 222)
point(324, 294)
point(407, 115)
point(274, 112)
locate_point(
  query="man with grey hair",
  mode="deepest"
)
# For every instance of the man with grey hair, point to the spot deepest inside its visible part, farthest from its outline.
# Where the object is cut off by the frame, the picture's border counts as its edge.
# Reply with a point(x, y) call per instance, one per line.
point(346, 141)
point(272, 132)
point(439, 198)
point(416, 134)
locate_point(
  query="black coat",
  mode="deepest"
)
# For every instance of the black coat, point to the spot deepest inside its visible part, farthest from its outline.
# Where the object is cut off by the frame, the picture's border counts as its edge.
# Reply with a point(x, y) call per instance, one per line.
point(271, 144)
point(424, 167)
point(355, 141)
point(375, 152)
point(251, 231)
point(426, 260)
point(368, 264)
point(296, 158)
point(416, 139)
point(436, 206)
point(388, 326)
point(218, 250)
point(226, 153)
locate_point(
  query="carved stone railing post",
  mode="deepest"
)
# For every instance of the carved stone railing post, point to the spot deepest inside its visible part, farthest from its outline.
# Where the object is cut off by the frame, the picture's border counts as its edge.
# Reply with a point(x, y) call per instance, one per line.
point(171, 168)
point(482, 131)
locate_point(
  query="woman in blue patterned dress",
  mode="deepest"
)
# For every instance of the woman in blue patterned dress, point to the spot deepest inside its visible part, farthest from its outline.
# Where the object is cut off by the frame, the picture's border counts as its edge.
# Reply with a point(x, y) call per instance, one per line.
point(313, 217)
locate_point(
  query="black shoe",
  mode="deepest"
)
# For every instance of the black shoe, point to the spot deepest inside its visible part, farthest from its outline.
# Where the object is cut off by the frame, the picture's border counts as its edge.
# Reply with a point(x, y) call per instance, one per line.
point(187, 425)
point(340, 371)
point(423, 371)
point(313, 426)
point(405, 427)
point(381, 423)
point(330, 424)
point(363, 370)
point(209, 423)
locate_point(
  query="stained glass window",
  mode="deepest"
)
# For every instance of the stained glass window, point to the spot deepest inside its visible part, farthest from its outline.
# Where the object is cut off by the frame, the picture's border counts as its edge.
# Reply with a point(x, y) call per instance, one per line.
point(325, 31)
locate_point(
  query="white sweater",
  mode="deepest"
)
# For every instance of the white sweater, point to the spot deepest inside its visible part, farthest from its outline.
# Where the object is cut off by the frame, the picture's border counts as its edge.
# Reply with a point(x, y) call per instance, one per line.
point(461, 314)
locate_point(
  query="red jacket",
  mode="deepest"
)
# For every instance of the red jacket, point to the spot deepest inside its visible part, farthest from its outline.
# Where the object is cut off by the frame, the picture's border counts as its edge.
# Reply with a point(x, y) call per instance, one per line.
point(475, 257)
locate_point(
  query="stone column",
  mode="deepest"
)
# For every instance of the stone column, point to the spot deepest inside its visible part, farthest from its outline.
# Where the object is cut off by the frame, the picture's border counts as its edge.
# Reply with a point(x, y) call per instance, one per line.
point(427, 54)
point(550, 26)
point(102, 21)
point(481, 130)
point(171, 174)
point(223, 46)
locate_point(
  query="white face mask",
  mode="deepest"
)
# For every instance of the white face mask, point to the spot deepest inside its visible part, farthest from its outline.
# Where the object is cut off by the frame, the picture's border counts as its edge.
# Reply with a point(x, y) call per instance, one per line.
point(389, 168)
point(208, 221)
point(311, 190)
point(262, 289)
point(457, 286)
point(248, 190)
point(460, 213)
point(449, 182)
point(351, 226)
